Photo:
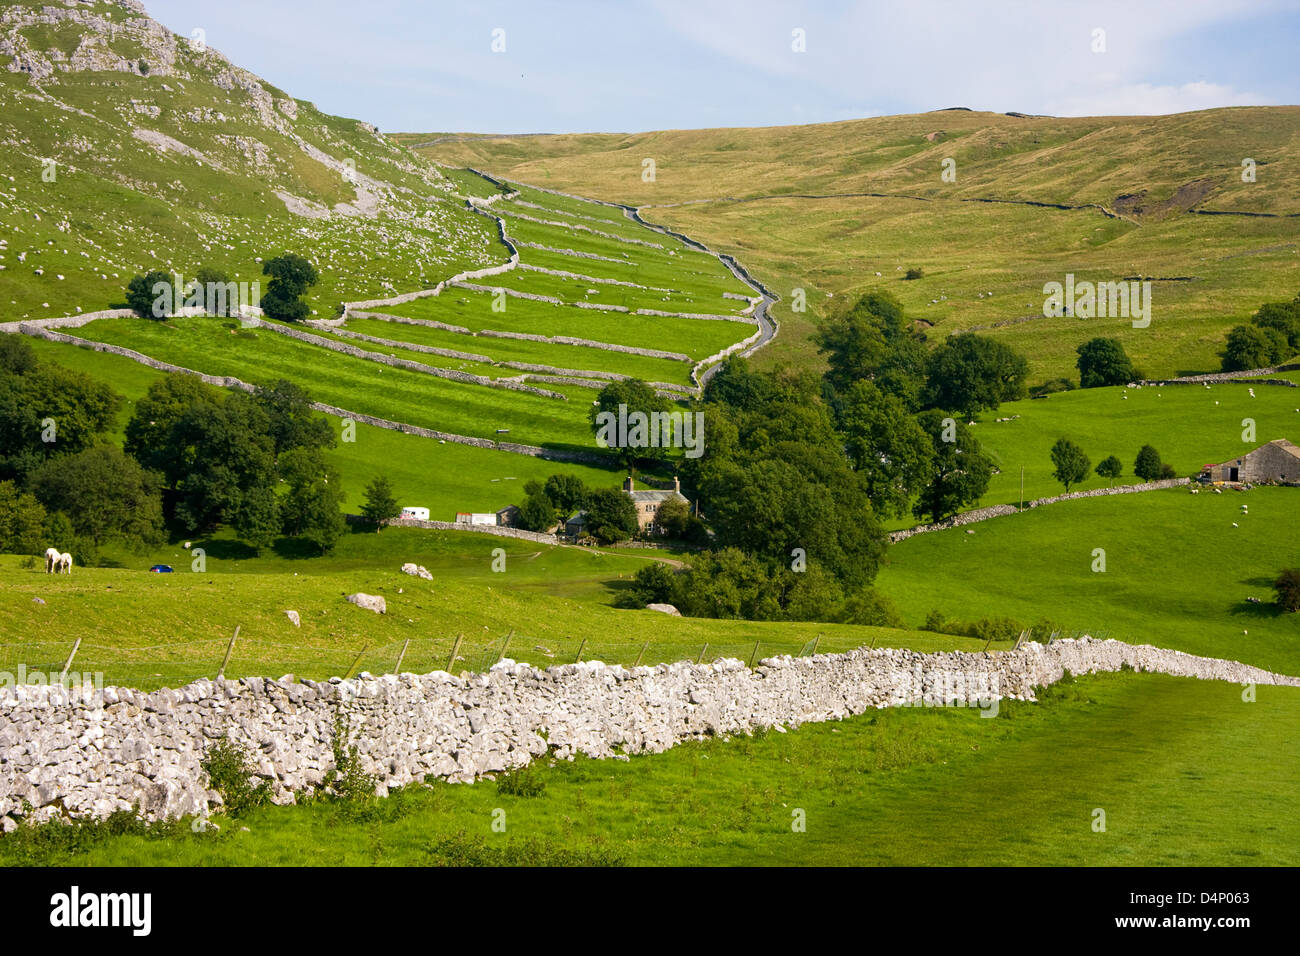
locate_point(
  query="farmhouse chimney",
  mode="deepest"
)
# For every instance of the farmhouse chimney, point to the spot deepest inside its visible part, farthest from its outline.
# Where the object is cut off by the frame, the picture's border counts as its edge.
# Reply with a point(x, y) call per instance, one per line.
point(627, 484)
point(677, 485)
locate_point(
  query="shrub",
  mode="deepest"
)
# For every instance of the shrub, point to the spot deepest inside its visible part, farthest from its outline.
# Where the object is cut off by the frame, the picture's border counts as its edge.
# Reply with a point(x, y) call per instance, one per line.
point(521, 782)
point(1052, 386)
point(914, 273)
point(872, 608)
point(537, 513)
point(346, 778)
point(994, 629)
point(1287, 587)
point(935, 621)
point(230, 771)
point(652, 584)
point(1250, 346)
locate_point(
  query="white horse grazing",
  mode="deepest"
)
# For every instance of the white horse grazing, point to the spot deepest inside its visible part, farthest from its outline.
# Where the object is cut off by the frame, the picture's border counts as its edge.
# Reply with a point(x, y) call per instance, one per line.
point(52, 556)
point(65, 563)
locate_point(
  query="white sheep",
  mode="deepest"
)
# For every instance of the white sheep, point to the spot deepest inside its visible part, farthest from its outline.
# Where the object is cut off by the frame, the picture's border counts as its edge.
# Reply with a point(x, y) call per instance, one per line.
point(65, 563)
point(52, 556)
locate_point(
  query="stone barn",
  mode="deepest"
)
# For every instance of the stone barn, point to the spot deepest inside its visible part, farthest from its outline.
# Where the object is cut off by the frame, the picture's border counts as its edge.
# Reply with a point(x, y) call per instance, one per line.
point(1278, 461)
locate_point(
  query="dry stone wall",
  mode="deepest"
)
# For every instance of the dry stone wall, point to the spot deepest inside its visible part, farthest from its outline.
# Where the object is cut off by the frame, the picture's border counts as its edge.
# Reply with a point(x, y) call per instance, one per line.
point(997, 511)
point(119, 749)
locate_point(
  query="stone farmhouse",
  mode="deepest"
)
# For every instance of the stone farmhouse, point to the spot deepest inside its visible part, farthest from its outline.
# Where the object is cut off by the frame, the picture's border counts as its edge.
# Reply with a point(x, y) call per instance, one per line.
point(1278, 461)
point(648, 502)
point(647, 505)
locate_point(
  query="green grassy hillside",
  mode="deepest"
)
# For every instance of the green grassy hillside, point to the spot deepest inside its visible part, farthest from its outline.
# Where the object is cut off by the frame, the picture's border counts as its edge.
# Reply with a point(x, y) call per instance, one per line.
point(128, 148)
point(1177, 572)
point(840, 208)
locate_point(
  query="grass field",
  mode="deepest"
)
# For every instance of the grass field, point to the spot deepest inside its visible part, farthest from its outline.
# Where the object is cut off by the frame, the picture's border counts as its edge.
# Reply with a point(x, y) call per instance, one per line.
point(512, 350)
point(1177, 572)
point(472, 310)
point(143, 629)
point(1186, 773)
point(211, 346)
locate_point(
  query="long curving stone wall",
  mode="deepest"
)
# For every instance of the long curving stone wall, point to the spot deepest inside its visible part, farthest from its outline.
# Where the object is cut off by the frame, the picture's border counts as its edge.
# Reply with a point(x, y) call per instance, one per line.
point(118, 749)
point(977, 515)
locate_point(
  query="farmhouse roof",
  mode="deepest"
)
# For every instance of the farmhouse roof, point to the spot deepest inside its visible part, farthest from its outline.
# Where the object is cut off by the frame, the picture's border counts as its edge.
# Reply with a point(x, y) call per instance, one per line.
point(643, 496)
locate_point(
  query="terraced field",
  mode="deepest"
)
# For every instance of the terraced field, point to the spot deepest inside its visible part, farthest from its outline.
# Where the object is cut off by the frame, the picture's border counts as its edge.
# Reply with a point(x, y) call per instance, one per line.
point(514, 357)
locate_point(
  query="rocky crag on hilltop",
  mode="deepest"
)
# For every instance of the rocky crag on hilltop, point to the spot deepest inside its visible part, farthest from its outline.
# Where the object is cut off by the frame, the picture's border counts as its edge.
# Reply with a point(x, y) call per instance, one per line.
point(128, 147)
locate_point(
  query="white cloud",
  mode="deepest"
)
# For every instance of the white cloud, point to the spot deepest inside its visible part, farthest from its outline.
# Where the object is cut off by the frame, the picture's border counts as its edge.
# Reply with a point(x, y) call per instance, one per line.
point(1145, 99)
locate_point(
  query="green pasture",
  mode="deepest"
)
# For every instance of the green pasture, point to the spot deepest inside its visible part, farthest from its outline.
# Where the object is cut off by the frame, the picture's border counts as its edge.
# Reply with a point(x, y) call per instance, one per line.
point(1177, 572)
point(211, 346)
point(518, 350)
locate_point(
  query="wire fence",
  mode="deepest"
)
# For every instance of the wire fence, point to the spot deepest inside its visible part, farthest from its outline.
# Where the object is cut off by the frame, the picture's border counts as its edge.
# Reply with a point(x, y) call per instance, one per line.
point(149, 667)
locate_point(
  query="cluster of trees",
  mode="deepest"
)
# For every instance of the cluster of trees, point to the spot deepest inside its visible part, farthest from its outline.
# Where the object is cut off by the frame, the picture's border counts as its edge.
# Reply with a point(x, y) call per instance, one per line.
point(797, 469)
point(795, 535)
point(896, 406)
point(291, 276)
point(728, 583)
point(1272, 336)
point(61, 483)
point(872, 341)
point(221, 457)
point(1070, 464)
point(154, 295)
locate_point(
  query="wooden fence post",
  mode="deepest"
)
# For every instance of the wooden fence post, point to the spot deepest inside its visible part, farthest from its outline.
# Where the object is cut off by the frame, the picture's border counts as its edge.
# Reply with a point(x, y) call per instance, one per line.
point(754, 656)
point(816, 641)
point(703, 650)
point(581, 648)
point(221, 671)
point(504, 645)
point(356, 662)
point(640, 654)
point(451, 661)
point(68, 662)
point(397, 668)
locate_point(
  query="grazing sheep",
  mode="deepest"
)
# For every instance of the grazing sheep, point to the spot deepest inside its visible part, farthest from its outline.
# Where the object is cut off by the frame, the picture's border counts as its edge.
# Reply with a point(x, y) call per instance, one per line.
point(65, 563)
point(51, 559)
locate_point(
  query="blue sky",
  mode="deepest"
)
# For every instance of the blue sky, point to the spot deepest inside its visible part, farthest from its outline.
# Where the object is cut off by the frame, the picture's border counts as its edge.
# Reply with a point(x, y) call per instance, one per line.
point(632, 65)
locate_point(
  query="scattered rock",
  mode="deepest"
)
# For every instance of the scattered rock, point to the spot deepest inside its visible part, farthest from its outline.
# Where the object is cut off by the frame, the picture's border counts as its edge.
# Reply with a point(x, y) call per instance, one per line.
point(293, 616)
point(664, 609)
point(416, 570)
point(371, 602)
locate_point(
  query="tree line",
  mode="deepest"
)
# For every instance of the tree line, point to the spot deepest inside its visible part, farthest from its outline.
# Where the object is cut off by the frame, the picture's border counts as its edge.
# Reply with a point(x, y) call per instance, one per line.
point(194, 456)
